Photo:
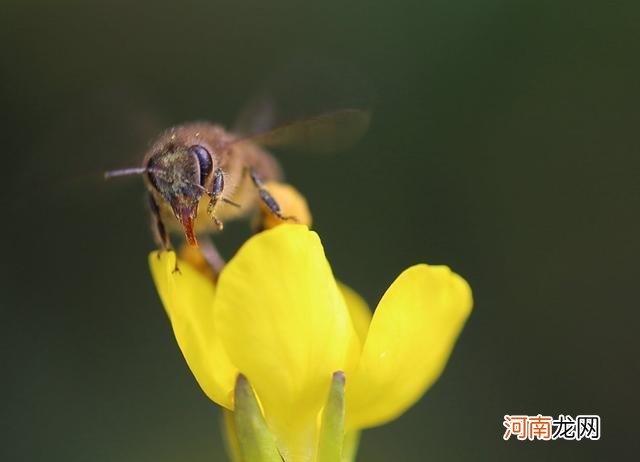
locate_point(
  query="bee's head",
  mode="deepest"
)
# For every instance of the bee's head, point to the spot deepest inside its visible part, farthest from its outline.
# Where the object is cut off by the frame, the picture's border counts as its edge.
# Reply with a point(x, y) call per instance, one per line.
point(178, 174)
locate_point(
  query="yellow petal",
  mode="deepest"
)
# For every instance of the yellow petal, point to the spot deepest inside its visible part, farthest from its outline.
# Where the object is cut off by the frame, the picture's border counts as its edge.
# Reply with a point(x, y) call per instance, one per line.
point(188, 296)
point(411, 336)
point(358, 310)
point(285, 326)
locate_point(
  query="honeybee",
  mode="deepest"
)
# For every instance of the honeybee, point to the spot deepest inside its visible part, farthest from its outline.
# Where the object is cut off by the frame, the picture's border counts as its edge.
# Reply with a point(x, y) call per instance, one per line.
point(201, 166)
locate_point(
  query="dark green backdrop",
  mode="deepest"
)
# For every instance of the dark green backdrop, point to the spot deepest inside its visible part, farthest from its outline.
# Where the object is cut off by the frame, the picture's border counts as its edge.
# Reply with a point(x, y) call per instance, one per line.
point(504, 144)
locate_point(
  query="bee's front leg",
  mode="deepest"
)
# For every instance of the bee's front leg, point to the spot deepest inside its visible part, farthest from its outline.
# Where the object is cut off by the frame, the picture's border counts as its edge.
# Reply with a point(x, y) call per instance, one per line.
point(159, 230)
point(157, 226)
point(215, 195)
point(267, 198)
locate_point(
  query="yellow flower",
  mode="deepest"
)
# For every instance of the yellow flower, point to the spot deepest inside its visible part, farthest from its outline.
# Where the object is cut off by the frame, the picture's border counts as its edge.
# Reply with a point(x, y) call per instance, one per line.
point(278, 316)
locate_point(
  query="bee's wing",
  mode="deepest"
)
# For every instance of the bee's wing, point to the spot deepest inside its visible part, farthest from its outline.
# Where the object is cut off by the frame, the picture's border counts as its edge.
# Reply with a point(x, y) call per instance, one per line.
point(311, 106)
point(329, 132)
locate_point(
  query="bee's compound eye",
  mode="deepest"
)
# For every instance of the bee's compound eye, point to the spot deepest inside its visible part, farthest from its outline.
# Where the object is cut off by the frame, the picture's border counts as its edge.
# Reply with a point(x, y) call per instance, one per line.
point(204, 160)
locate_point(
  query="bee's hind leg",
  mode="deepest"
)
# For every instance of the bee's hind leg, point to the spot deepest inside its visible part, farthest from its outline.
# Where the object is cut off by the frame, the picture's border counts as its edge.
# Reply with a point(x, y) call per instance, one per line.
point(266, 197)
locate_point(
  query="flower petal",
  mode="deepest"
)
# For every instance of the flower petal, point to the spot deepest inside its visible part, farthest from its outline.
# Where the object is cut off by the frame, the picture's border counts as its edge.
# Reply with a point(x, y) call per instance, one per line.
point(411, 336)
point(358, 310)
point(285, 326)
point(187, 296)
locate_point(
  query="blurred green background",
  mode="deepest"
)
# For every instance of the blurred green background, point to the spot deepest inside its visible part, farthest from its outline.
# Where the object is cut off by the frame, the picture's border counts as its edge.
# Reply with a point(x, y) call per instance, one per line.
point(504, 143)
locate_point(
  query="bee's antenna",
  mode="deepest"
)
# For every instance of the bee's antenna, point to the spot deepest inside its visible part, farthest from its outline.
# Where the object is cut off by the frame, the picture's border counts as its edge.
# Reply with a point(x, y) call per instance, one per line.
point(125, 172)
point(140, 170)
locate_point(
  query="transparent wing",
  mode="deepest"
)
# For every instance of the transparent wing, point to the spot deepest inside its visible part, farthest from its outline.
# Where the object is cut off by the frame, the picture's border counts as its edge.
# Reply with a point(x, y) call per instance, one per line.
point(323, 133)
point(309, 105)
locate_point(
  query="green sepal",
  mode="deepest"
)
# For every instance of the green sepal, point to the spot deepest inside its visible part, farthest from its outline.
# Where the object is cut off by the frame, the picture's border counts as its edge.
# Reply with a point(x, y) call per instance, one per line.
point(350, 448)
point(256, 442)
point(231, 442)
point(331, 436)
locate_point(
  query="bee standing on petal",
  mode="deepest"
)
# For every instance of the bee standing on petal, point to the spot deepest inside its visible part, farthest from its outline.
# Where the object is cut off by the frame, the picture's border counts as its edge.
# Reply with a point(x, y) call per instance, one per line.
point(296, 359)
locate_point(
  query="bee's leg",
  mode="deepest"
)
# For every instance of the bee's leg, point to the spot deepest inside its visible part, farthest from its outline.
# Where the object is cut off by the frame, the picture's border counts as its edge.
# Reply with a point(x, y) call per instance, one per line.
point(211, 255)
point(157, 226)
point(267, 198)
point(159, 231)
point(215, 195)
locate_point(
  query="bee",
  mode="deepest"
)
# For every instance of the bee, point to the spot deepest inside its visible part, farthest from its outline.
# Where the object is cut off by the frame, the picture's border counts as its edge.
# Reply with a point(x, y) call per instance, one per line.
point(201, 166)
